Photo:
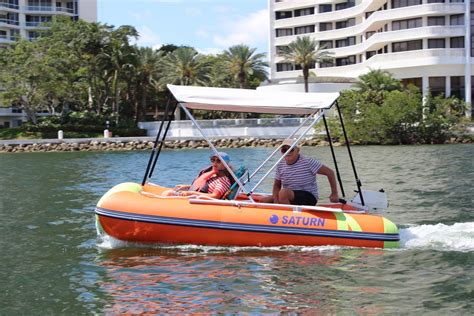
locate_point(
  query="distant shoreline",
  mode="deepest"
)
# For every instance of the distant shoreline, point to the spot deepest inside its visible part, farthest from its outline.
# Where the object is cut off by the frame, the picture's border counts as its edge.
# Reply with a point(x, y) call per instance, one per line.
point(146, 143)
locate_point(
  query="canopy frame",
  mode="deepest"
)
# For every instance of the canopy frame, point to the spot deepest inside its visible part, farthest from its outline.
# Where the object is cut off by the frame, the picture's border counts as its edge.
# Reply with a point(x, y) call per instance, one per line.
point(316, 115)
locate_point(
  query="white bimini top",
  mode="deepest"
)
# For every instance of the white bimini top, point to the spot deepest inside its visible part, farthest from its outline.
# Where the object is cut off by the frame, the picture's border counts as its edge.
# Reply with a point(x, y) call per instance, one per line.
point(253, 101)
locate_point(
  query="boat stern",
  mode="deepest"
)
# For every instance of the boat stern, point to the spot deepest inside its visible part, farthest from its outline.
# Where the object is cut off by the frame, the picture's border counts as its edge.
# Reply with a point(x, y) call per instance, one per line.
point(391, 228)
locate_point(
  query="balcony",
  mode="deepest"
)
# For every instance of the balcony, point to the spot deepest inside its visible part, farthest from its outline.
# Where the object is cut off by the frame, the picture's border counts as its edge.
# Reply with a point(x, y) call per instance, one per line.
point(49, 9)
point(9, 22)
point(11, 112)
point(7, 39)
point(4, 5)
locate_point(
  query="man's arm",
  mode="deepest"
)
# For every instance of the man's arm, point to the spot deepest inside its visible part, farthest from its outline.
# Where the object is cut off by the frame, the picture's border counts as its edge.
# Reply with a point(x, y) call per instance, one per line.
point(276, 190)
point(334, 197)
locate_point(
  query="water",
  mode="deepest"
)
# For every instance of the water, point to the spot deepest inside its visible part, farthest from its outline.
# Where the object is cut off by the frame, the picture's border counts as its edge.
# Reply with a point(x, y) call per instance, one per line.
point(53, 263)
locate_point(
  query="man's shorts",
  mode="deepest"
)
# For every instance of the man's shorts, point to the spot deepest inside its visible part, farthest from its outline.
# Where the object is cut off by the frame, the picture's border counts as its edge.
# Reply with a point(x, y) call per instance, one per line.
point(304, 198)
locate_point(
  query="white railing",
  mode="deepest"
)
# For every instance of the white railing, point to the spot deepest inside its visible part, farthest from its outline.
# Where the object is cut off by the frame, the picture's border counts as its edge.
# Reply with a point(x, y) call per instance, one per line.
point(49, 9)
point(9, 5)
point(265, 127)
point(10, 112)
point(11, 22)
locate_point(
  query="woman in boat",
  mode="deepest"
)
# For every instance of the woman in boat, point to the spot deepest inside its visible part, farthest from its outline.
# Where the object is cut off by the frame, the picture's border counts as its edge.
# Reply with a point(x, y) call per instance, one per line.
point(213, 182)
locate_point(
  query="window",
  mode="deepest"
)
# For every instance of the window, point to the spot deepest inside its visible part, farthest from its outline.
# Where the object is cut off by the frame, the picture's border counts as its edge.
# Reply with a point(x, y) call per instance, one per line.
point(311, 66)
point(367, 14)
point(344, 24)
point(457, 42)
point(404, 3)
point(284, 32)
point(304, 29)
point(346, 42)
point(406, 46)
point(437, 85)
point(417, 82)
point(325, 8)
point(406, 24)
point(283, 15)
point(369, 34)
point(436, 43)
point(436, 20)
point(325, 26)
point(457, 87)
point(457, 19)
point(345, 5)
point(280, 49)
point(326, 64)
point(305, 11)
point(349, 60)
point(435, 1)
point(370, 54)
point(284, 67)
point(326, 44)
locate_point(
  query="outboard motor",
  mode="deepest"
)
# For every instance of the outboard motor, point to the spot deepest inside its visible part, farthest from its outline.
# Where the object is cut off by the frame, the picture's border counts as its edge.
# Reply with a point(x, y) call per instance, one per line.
point(373, 200)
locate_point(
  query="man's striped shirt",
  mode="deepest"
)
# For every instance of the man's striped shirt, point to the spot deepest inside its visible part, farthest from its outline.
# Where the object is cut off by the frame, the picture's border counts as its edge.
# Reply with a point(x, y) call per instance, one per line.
point(299, 176)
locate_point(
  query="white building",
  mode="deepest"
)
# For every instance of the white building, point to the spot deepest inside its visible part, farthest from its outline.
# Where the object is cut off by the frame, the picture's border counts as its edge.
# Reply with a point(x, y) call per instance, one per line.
point(425, 42)
point(21, 18)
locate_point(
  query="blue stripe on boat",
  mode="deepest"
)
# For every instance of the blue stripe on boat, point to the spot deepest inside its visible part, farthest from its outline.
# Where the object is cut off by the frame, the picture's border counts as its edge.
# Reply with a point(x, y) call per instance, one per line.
point(246, 227)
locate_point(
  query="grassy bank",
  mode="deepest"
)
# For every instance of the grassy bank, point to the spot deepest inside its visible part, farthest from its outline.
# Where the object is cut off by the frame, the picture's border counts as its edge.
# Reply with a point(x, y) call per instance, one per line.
point(18, 133)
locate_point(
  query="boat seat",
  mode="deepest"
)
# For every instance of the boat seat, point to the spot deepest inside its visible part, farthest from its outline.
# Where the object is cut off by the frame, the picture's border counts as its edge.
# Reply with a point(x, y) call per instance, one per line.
point(232, 192)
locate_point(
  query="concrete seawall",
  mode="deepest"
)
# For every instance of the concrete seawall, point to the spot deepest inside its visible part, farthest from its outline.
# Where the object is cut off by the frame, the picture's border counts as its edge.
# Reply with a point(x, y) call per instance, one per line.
point(138, 143)
point(146, 143)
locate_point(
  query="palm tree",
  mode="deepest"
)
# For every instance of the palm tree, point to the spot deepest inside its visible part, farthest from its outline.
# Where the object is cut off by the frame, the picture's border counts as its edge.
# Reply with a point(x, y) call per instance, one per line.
point(145, 78)
point(305, 52)
point(243, 63)
point(378, 81)
point(185, 66)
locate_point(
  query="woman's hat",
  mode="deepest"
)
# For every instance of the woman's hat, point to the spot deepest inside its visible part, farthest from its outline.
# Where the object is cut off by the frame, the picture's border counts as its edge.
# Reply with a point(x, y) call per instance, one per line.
point(223, 156)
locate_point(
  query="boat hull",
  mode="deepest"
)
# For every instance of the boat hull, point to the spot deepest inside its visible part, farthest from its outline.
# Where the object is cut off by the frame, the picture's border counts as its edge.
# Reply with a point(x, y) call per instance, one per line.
point(126, 213)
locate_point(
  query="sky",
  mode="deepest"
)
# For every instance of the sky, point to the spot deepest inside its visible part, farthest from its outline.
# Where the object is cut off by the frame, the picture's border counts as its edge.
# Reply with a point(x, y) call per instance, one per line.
point(210, 26)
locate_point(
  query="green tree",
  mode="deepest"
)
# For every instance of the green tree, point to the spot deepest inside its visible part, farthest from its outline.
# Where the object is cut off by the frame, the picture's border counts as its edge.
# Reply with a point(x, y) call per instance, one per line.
point(304, 52)
point(184, 66)
point(378, 81)
point(27, 79)
point(440, 116)
point(145, 79)
point(243, 63)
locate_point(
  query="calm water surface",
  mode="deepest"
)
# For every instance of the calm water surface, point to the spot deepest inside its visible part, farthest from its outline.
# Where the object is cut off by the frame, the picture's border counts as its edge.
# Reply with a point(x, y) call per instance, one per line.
point(53, 262)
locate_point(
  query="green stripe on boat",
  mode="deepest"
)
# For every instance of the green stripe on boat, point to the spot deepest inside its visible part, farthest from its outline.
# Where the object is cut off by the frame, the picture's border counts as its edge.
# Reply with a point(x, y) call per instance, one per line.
point(390, 228)
point(126, 186)
point(345, 221)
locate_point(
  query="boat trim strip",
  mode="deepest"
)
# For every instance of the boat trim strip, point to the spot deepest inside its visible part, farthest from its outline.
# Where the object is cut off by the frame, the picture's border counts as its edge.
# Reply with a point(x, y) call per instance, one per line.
point(274, 229)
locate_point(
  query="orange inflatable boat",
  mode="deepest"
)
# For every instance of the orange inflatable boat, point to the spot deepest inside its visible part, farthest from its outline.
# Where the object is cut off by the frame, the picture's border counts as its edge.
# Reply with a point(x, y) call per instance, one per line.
point(134, 213)
point(143, 213)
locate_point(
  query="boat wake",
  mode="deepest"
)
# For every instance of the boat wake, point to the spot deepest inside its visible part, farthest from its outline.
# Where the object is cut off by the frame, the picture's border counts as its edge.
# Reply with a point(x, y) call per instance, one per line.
point(106, 242)
point(456, 237)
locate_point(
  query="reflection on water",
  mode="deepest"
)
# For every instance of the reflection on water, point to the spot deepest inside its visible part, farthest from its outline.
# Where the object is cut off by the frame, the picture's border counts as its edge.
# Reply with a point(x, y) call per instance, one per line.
point(253, 281)
point(53, 263)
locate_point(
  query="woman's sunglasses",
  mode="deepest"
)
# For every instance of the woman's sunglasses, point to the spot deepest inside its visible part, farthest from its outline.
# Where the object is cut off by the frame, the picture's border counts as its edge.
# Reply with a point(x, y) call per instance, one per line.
point(285, 149)
point(215, 160)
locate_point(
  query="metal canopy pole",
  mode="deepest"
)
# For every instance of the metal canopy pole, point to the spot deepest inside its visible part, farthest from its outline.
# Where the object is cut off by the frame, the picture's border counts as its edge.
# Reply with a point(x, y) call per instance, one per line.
point(333, 156)
point(277, 149)
point(316, 120)
point(162, 142)
point(215, 150)
point(153, 151)
point(358, 182)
